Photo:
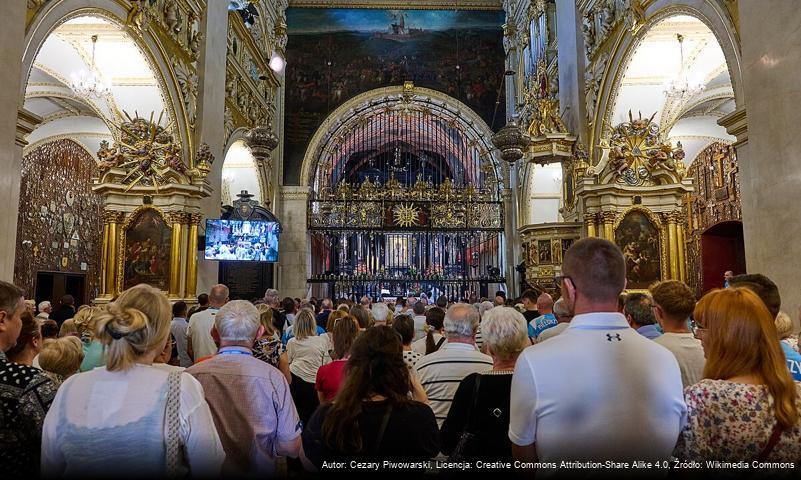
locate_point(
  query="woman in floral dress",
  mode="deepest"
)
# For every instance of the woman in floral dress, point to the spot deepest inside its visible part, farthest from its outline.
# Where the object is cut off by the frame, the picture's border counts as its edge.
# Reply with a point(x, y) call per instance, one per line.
point(747, 407)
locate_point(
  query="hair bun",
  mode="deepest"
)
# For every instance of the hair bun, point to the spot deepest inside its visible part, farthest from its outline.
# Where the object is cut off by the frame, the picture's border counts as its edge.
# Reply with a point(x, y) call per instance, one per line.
point(120, 322)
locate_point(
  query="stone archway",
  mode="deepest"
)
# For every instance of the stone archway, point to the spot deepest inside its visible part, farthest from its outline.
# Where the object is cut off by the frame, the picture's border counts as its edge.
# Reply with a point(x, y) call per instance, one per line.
point(613, 66)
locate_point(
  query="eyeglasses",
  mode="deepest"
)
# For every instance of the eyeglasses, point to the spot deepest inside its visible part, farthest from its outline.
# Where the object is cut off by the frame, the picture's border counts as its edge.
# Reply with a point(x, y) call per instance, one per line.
point(698, 330)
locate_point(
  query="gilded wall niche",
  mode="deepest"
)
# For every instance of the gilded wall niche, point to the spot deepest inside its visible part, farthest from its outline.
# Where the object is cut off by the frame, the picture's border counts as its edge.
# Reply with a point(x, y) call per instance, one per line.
point(59, 226)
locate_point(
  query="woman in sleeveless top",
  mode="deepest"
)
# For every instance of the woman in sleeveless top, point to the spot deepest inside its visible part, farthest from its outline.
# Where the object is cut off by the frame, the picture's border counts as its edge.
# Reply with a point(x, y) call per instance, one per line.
point(130, 418)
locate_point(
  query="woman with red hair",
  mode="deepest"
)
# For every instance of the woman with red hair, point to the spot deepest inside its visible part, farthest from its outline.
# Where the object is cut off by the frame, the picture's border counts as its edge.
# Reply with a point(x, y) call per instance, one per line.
point(747, 407)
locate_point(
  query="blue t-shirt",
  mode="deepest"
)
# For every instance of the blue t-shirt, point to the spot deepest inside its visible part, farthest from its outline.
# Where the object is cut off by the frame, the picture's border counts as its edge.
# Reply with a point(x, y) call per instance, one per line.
point(793, 361)
point(649, 331)
point(541, 323)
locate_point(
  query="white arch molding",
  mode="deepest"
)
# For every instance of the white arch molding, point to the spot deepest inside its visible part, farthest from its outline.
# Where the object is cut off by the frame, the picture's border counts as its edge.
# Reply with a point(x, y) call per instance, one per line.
point(710, 12)
point(473, 126)
point(56, 12)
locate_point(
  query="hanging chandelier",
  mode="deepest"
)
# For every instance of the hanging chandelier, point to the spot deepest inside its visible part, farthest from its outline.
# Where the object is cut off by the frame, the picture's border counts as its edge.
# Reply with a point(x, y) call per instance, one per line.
point(89, 83)
point(680, 86)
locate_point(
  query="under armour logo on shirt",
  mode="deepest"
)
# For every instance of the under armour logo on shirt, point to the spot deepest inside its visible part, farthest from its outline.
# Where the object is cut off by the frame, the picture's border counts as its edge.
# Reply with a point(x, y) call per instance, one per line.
point(610, 337)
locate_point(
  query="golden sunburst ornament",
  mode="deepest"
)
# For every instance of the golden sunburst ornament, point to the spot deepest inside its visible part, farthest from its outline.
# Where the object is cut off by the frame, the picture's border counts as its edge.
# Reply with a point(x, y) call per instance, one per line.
point(406, 215)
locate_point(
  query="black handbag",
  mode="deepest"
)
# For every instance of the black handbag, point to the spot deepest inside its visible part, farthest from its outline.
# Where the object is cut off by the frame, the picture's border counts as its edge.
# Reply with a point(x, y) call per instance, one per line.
point(466, 447)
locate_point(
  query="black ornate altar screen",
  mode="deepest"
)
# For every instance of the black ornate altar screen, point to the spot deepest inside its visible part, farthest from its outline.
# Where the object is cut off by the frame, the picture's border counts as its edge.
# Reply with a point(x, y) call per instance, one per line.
point(404, 202)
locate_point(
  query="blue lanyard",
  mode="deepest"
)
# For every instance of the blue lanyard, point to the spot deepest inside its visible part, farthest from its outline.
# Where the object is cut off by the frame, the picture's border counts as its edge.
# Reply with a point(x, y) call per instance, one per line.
point(234, 352)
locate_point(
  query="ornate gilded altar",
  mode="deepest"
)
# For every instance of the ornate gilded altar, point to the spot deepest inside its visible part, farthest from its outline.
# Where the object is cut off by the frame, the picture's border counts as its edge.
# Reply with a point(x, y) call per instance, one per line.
point(151, 200)
point(544, 246)
point(634, 196)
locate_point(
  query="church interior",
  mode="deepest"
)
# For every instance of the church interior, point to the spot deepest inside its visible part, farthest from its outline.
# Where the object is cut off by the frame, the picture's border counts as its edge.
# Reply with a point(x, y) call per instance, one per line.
point(438, 146)
point(417, 158)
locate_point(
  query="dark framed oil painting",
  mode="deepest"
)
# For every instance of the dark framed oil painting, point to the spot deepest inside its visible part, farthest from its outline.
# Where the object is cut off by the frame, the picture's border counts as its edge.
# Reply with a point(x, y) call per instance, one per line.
point(147, 251)
point(638, 238)
point(339, 53)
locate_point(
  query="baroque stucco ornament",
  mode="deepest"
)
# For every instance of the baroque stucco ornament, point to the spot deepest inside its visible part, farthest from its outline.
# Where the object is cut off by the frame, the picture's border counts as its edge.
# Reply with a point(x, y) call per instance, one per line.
point(636, 154)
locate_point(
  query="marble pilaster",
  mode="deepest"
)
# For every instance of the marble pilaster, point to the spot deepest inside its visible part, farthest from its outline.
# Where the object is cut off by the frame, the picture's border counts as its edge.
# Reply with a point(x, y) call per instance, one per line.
point(12, 32)
point(293, 248)
point(209, 127)
point(771, 46)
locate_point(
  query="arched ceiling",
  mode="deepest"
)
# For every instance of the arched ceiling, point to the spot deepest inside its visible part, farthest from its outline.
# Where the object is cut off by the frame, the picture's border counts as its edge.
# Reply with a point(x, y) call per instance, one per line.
point(689, 119)
point(68, 51)
point(239, 173)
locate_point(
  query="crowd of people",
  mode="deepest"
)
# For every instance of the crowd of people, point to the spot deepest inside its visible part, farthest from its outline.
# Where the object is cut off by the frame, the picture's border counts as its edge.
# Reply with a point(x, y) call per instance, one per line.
point(232, 387)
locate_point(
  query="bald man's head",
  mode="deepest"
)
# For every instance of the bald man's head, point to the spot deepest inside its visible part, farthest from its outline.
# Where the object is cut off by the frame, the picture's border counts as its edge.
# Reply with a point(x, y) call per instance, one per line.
point(218, 295)
point(596, 268)
point(545, 304)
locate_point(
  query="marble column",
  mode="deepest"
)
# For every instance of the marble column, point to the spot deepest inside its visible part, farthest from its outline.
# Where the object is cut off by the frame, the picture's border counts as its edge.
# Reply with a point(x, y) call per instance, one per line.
point(12, 33)
point(608, 222)
point(509, 232)
point(209, 126)
point(570, 50)
point(176, 219)
point(769, 172)
point(673, 246)
point(293, 251)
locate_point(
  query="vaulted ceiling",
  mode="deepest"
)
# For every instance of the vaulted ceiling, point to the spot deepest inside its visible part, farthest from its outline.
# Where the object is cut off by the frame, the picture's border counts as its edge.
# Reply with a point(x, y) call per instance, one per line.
point(68, 51)
point(690, 118)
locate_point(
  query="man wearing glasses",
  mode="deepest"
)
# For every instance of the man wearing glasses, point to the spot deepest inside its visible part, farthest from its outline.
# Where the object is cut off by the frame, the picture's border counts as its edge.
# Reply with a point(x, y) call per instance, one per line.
point(599, 390)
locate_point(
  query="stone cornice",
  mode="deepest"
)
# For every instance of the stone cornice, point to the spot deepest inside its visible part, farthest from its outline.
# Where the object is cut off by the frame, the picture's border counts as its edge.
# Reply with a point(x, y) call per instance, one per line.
point(26, 123)
point(736, 123)
point(405, 4)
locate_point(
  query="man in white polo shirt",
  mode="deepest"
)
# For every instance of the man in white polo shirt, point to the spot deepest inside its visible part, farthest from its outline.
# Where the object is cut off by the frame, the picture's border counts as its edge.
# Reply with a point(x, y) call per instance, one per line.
point(440, 372)
point(199, 342)
point(599, 390)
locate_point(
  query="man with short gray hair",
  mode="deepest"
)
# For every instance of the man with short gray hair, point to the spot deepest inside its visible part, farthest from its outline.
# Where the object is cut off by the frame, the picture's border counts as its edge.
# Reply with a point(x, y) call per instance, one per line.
point(249, 401)
point(45, 309)
point(380, 313)
point(440, 372)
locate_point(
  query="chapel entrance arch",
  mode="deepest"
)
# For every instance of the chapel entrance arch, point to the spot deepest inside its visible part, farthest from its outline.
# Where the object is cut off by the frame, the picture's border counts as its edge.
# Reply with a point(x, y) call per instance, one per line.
point(405, 198)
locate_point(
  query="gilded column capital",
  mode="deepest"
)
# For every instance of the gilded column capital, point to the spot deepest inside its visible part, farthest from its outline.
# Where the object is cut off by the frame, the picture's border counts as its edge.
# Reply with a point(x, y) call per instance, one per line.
point(194, 218)
point(608, 217)
point(176, 217)
point(590, 217)
point(112, 216)
point(673, 217)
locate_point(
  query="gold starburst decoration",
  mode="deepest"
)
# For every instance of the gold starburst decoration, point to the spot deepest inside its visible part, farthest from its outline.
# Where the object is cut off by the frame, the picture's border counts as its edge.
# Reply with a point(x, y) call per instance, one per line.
point(406, 215)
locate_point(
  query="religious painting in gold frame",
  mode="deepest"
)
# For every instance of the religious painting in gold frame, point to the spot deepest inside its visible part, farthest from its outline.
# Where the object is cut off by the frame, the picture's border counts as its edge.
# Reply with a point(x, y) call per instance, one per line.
point(146, 241)
point(640, 240)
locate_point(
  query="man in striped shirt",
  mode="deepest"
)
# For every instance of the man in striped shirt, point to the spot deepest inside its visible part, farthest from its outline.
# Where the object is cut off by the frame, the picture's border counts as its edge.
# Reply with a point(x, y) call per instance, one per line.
point(440, 372)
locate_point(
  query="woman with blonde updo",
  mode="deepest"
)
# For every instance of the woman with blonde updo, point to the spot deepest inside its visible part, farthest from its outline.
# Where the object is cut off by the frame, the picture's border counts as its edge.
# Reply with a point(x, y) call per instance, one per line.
point(130, 416)
point(84, 322)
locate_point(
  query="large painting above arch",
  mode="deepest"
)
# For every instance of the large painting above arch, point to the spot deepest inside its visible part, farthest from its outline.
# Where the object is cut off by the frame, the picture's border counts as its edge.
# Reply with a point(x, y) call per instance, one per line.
point(336, 54)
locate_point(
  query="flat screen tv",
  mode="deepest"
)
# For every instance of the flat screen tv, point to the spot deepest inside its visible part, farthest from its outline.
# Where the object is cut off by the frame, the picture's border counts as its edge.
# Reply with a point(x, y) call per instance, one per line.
point(242, 240)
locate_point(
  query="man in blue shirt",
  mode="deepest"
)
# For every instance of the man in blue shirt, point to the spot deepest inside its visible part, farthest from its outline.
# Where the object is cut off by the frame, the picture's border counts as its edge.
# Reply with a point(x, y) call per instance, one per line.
point(640, 315)
point(768, 292)
point(546, 319)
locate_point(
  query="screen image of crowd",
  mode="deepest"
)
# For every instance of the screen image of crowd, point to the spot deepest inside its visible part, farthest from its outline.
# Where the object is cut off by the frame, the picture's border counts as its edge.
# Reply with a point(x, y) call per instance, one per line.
point(242, 240)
